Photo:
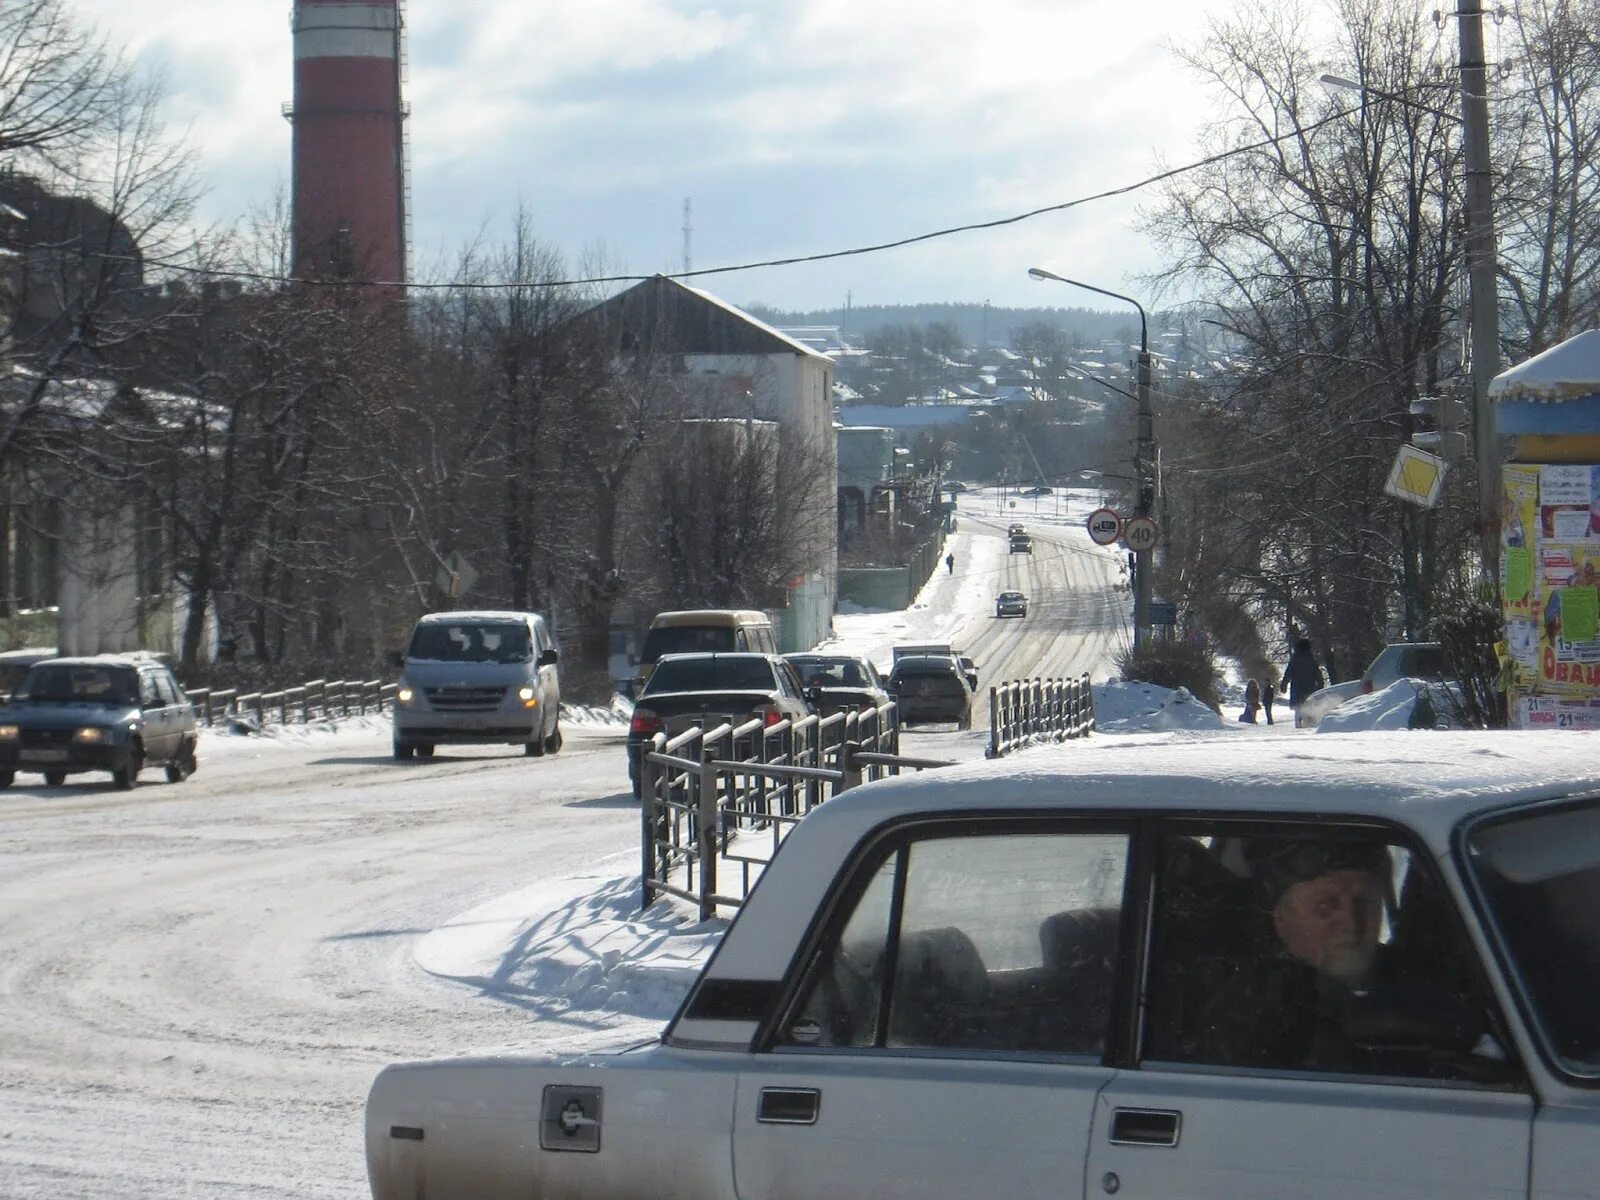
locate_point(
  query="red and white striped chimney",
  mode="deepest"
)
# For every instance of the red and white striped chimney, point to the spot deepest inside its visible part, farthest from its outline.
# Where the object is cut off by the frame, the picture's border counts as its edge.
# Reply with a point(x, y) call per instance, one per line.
point(349, 141)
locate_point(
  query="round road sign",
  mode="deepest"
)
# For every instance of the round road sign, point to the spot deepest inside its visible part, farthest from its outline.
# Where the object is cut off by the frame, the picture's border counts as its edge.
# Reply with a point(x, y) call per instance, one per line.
point(1140, 533)
point(1105, 526)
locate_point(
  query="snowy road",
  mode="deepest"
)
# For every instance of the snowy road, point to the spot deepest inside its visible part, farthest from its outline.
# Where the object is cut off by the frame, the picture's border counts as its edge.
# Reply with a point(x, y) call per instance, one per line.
point(199, 981)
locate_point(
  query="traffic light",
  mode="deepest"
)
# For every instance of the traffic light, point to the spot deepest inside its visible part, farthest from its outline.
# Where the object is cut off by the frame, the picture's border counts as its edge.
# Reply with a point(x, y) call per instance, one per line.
point(1439, 426)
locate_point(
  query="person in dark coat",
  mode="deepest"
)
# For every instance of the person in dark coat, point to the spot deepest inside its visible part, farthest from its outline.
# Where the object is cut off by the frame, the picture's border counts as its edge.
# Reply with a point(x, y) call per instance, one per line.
point(1301, 677)
point(1269, 693)
point(1252, 701)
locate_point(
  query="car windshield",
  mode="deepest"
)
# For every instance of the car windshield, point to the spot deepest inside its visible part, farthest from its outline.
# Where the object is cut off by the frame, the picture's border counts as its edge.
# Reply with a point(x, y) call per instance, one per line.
point(712, 674)
point(472, 641)
point(1011, 595)
point(686, 639)
point(831, 672)
point(1541, 875)
point(66, 683)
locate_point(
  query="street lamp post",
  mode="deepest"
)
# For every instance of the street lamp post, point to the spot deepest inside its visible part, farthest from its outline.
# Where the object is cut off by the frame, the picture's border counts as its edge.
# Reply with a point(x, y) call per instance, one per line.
point(1143, 455)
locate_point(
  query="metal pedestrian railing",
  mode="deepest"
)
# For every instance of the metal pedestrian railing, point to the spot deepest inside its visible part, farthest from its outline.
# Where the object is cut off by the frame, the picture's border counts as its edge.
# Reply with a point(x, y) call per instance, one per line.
point(314, 699)
point(718, 801)
point(1033, 710)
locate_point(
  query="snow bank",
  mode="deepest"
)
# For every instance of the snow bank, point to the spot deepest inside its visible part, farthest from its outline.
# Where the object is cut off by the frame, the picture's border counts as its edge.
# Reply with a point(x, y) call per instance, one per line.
point(1392, 708)
point(1140, 707)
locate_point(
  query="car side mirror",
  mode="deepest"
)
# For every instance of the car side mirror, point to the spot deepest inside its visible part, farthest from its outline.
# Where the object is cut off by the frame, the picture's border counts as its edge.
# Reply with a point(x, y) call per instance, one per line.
point(547, 659)
point(397, 658)
point(1413, 1017)
point(814, 696)
point(972, 681)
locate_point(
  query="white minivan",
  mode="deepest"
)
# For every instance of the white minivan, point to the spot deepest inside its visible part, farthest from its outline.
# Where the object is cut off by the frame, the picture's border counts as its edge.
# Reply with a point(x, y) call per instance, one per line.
point(478, 678)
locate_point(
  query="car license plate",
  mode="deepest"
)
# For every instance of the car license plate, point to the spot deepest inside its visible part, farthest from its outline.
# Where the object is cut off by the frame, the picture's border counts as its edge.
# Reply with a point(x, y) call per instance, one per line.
point(43, 756)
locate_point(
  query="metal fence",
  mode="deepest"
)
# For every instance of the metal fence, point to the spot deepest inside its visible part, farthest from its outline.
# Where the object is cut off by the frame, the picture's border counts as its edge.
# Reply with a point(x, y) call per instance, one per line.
point(1032, 710)
point(316, 698)
point(719, 801)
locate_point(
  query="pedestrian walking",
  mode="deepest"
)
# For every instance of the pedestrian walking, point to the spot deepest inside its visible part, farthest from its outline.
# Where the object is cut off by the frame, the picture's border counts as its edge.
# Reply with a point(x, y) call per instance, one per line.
point(950, 563)
point(1301, 677)
point(1269, 693)
point(1252, 702)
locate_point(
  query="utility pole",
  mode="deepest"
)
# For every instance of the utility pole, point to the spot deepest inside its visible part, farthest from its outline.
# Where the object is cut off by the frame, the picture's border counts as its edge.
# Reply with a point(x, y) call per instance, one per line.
point(1144, 463)
point(688, 235)
point(1484, 298)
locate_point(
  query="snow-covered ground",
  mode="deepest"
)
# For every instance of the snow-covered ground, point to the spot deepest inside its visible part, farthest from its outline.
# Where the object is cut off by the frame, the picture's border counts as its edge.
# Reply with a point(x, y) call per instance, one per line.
point(198, 982)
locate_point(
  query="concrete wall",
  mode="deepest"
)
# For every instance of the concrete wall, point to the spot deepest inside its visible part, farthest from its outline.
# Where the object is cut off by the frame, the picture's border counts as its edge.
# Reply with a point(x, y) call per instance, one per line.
point(883, 588)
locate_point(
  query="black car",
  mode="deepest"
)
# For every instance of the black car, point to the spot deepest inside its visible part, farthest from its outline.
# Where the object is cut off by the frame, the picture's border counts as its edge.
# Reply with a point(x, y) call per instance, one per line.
point(931, 687)
point(1011, 604)
point(839, 682)
point(708, 690)
point(111, 713)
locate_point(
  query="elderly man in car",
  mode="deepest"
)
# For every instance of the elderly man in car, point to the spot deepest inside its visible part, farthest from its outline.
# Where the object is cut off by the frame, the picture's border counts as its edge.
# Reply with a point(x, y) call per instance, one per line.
point(1289, 1006)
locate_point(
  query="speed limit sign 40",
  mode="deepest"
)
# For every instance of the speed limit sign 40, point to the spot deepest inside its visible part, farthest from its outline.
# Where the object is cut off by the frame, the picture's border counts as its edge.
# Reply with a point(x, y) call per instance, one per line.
point(1105, 526)
point(1140, 533)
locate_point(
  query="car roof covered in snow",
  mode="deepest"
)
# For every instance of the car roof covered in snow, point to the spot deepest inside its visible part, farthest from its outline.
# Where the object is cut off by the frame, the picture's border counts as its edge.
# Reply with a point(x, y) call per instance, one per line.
point(1424, 780)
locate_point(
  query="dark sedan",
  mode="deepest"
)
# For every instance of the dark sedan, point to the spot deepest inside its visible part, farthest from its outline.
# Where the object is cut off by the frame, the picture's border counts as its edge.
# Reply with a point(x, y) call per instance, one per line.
point(708, 690)
point(111, 713)
point(840, 682)
point(931, 687)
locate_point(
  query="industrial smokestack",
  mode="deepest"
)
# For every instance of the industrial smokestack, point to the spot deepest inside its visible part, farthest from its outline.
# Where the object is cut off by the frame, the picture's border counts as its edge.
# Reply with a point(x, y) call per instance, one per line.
point(349, 141)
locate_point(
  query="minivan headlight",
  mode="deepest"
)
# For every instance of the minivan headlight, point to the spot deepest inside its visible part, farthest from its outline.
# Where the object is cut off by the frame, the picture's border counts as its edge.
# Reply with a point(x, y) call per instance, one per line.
point(404, 695)
point(9, 733)
point(89, 733)
point(528, 696)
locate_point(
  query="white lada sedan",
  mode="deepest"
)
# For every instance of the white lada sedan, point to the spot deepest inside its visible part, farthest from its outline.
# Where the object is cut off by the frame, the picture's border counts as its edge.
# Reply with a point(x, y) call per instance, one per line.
point(1259, 969)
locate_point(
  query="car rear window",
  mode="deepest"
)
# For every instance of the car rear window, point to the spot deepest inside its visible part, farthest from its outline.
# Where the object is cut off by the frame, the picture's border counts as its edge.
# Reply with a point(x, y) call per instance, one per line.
point(712, 675)
point(686, 639)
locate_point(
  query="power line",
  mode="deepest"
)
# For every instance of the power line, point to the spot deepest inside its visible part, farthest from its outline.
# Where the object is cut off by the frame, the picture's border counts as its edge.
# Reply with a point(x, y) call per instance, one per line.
point(795, 260)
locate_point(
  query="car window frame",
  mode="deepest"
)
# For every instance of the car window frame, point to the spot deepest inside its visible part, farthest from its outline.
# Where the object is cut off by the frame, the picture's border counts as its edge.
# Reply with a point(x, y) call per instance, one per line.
point(855, 876)
point(150, 676)
point(1287, 825)
point(1505, 960)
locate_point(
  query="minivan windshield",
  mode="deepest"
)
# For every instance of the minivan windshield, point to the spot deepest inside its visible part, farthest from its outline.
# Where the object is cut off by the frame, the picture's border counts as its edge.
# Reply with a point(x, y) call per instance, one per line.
point(472, 641)
point(79, 684)
point(686, 639)
point(1540, 873)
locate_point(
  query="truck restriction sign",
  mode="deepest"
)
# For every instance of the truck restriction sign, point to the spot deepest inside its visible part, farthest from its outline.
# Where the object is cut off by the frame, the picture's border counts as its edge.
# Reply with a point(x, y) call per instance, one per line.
point(1105, 526)
point(1140, 533)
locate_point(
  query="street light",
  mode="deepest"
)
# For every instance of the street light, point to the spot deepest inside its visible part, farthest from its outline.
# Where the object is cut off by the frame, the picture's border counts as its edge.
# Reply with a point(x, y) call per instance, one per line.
point(1484, 301)
point(1143, 455)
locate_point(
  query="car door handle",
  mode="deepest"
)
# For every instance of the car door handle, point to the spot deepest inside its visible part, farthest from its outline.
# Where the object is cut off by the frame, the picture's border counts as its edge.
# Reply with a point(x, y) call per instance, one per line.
point(1145, 1127)
point(788, 1106)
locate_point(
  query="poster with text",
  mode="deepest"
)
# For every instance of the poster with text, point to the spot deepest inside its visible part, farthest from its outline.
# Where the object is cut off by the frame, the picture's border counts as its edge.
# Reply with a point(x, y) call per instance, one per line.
point(1519, 513)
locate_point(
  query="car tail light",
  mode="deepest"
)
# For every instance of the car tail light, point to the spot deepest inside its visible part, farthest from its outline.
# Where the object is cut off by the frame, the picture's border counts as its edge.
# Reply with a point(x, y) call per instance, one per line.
point(645, 723)
point(770, 715)
point(1366, 687)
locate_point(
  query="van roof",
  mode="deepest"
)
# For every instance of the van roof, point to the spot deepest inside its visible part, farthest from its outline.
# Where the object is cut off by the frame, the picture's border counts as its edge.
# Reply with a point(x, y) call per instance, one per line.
point(710, 616)
point(476, 614)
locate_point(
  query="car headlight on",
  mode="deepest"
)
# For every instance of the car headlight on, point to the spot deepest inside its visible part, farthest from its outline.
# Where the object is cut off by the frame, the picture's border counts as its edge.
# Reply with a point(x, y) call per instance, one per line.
point(404, 695)
point(528, 696)
point(9, 733)
point(89, 733)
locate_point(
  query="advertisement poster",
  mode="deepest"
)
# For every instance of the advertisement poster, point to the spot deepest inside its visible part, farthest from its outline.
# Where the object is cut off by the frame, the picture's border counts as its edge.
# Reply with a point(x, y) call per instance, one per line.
point(1550, 712)
point(1519, 510)
point(1569, 503)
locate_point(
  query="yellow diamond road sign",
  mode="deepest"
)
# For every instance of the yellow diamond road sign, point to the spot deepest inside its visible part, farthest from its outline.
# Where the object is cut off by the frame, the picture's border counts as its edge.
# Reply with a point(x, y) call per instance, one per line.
point(1416, 476)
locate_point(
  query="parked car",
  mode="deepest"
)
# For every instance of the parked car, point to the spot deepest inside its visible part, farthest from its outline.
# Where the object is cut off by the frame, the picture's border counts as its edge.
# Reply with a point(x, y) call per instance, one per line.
point(840, 682)
point(707, 690)
point(1038, 489)
point(14, 665)
point(116, 713)
point(1405, 660)
point(932, 687)
point(1011, 604)
point(1108, 957)
point(1399, 660)
point(954, 485)
point(478, 678)
point(702, 631)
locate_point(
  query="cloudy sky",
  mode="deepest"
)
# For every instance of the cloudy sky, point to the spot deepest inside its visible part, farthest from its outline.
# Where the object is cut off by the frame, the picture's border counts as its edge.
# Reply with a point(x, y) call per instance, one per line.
point(794, 126)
